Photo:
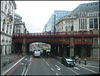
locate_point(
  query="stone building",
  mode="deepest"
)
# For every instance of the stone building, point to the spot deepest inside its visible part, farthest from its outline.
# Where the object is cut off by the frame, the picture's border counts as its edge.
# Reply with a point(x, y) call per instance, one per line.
point(19, 25)
point(83, 18)
point(7, 22)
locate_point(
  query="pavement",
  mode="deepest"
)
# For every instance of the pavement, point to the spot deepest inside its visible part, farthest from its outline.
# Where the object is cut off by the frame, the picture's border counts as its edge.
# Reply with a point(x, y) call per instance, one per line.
point(9, 60)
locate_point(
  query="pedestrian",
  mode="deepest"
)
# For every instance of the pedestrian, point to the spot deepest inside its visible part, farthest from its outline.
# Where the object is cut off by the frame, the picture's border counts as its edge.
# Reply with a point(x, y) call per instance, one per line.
point(79, 61)
point(18, 52)
point(85, 61)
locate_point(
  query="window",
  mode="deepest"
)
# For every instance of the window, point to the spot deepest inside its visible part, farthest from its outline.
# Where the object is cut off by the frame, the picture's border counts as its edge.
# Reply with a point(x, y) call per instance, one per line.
point(7, 27)
point(91, 23)
point(72, 28)
point(83, 27)
point(66, 28)
point(85, 23)
point(95, 23)
point(3, 26)
point(79, 23)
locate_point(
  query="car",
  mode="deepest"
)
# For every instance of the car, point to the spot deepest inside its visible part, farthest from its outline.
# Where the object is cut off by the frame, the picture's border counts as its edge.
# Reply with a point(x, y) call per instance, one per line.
point(37, 53)
point(67, 61)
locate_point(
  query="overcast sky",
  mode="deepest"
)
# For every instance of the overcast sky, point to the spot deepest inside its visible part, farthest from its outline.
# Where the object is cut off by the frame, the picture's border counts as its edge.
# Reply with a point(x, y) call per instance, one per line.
point(35, 14)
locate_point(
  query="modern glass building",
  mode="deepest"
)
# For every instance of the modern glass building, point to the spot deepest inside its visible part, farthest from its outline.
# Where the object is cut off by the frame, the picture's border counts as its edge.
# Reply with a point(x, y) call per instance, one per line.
point(51, 24)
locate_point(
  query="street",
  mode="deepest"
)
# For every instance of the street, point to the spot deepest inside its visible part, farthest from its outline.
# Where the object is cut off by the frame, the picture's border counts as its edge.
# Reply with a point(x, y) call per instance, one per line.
point(49, 66)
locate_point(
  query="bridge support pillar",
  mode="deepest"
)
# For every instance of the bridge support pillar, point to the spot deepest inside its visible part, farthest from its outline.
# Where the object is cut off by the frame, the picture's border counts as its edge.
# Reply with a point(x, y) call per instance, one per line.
point(56, 50)
point(95, 48)
point(71, 50)
point(24, 46)
point(60, 50)
point(64, 51)
point(71, 46)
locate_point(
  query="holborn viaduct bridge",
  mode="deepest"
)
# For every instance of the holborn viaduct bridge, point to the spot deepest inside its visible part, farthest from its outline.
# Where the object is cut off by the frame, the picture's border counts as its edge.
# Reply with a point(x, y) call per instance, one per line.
point(83, 43)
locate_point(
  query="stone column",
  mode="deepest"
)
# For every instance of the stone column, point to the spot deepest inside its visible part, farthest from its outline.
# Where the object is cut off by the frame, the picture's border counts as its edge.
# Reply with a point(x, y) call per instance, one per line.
point(64, 51)
point(71, 47)
point(52, 49)
point(24, 46)
point(95, 48)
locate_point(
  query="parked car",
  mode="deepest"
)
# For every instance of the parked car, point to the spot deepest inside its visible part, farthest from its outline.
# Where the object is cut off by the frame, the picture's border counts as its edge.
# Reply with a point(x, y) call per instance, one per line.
point(37, 53)
point(67, 61)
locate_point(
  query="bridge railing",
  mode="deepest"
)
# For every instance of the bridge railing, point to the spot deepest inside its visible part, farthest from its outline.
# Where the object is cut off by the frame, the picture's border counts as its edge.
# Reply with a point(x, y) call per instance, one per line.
point(56, 33)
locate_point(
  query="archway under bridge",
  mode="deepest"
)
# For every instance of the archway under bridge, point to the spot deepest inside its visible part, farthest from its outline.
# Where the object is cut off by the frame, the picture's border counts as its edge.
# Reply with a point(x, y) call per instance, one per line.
point(57, 48)
point(83, 50)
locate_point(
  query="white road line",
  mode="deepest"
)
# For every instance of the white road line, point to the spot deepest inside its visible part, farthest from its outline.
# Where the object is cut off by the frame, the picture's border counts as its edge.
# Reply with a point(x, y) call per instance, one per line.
point(58, 68)
point(88, 69)
point(57, 74)
point(13, 66)
point(74, 71)
point(47, 63)
point(91, 66)
point(52, 69)
point(42, 59)
point(23, 71)
point(26, 59)
point(76, 68)
point(27, 69)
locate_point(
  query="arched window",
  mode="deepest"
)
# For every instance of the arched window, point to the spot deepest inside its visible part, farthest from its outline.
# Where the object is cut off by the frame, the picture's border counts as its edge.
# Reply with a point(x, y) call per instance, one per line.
point(3, 26)
point(7, 27)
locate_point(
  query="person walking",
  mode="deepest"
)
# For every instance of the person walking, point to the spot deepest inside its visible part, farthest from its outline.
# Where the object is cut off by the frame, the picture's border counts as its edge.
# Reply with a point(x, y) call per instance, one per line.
point(18, 52)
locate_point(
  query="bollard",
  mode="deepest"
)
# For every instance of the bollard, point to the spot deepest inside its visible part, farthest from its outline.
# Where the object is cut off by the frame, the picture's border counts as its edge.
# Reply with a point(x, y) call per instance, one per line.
point(79, 61)
point(85, 61)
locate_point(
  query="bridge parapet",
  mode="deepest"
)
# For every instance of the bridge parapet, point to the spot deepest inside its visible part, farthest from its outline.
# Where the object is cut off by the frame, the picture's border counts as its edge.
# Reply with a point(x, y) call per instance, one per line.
point(58, 34)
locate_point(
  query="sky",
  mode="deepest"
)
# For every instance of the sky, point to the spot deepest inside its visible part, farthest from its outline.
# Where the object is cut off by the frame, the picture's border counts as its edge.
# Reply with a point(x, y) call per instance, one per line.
point(36, 14)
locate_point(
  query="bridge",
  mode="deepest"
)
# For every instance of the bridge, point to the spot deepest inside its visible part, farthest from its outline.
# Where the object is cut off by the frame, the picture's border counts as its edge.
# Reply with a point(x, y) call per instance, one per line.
point(62, 43)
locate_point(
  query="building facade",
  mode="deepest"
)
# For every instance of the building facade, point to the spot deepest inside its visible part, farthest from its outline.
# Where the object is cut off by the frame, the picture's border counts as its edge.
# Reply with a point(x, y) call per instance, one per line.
point(19, 25)
point(83, 18)
point(7, 23)
point(51, 24)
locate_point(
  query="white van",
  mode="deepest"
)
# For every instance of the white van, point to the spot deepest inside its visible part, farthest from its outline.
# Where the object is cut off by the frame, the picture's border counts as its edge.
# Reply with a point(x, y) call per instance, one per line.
point(37, 53)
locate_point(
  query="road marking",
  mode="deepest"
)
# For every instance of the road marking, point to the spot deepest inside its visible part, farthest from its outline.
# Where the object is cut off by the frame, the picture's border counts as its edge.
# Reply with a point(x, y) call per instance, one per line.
point(91, 66)
point(22, 63)
point(14, 69)
point(43, 59)
point(74, 71)
point(76, 68)
point(52, 69)
point(13, 66)
point(58, 68)
point(26, 59)
point(47, 63)
point(27, 69)
point(23, 71)
point(57, 74)
point(88, 69)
